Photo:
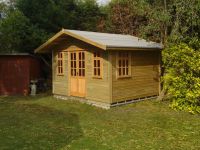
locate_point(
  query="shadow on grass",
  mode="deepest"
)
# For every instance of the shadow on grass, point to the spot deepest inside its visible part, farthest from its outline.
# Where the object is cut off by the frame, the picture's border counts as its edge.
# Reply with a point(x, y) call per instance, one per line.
point(32, 126)
point(10, 99)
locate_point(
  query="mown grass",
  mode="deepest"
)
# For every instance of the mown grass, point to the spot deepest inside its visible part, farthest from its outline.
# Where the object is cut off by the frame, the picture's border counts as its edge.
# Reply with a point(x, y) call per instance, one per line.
point(43, 122)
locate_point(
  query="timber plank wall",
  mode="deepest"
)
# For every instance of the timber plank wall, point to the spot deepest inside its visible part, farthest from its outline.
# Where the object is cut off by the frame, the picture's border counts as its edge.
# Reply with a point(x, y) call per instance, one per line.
point(144, 80)
point(96, 89)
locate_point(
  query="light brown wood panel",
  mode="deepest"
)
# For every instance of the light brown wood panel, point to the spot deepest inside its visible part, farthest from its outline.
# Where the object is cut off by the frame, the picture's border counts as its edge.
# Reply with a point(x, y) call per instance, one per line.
point(74, 87)
point(60, 82)
point(77, 73)
point(95, 89)
point(144, 79)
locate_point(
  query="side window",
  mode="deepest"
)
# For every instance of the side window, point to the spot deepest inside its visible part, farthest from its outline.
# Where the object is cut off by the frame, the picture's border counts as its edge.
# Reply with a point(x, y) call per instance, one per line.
point(60, 63)
point(97, 65)
point(123, 64)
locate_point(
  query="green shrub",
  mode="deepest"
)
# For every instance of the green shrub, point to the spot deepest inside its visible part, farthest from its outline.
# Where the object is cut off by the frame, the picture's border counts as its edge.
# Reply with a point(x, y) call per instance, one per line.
point(182, 78)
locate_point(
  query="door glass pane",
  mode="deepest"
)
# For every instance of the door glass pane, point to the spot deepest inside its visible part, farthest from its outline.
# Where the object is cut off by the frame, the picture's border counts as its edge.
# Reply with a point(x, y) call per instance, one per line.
point(83, 72)
point(83, 56)
point(71, 56)
point(80, 66)
point(80, 73)
point(79, 55)
point(83, 64)
point(123, 71)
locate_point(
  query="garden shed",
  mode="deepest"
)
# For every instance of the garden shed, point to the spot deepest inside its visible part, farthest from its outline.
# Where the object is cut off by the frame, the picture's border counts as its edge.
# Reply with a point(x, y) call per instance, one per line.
point(103, 69)
point(16, 72)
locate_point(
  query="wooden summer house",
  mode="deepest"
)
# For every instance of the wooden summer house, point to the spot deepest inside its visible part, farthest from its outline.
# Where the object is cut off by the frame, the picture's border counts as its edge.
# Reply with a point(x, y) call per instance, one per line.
point(103, 69)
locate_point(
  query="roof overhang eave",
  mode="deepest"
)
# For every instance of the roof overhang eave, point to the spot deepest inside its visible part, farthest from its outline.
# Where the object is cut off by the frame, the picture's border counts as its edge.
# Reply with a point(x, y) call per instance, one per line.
point(133, 48)
point(43, 47)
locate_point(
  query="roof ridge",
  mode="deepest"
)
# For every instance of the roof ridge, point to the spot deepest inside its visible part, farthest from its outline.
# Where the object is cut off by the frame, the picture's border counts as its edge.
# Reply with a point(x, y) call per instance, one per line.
point(99, 32)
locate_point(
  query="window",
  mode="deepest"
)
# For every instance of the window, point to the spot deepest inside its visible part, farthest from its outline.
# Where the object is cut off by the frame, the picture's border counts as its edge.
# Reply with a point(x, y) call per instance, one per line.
point(97, 65)
point(123, 65)
point(60, 63)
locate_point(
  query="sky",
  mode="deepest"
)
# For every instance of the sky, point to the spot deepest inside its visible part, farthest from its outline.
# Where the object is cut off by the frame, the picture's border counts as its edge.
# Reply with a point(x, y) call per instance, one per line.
point(102, 1)
point(99, 1)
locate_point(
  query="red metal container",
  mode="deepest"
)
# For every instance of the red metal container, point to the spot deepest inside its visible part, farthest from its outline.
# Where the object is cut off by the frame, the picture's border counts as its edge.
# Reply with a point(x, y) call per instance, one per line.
point(16, 72)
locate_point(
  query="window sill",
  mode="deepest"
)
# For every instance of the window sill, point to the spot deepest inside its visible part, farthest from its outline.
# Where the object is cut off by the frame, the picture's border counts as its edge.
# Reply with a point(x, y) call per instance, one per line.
point(60, 74)
point(124, 77)
point(97, 77)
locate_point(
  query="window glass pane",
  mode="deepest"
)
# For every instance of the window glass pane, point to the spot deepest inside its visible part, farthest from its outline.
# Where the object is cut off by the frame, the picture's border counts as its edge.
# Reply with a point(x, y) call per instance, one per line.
point(120, 63)
point(98, 71)
point(95, 71)
point(124, 71)
point(123, 64)
point(95, 63)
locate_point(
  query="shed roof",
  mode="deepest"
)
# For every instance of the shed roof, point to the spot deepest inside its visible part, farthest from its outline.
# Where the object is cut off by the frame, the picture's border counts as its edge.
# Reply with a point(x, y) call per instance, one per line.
point(105, 41)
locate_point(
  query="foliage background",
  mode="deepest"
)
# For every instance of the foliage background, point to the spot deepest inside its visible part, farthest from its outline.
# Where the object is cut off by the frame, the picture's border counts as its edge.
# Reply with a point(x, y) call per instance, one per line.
point(175, 23)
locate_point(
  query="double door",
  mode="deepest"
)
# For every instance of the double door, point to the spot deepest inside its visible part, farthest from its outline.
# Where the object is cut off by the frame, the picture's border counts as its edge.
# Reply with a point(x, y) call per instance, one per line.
point(77, 71)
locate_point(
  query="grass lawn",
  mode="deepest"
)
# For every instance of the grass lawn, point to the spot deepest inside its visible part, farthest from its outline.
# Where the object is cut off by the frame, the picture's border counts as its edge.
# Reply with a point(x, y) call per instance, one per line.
point(43, 122)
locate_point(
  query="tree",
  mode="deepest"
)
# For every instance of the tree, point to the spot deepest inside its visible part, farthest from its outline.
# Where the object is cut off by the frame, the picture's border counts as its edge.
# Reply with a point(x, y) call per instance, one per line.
point(185, 21)
point(17, 33)
point(143, 18)
point(127, 16)
point(31, 22)
point(88, 15)
point(49, 15)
